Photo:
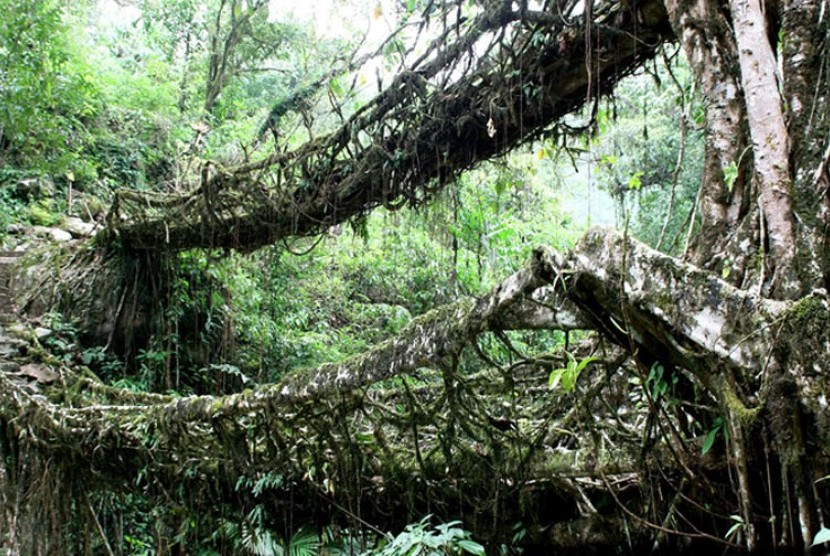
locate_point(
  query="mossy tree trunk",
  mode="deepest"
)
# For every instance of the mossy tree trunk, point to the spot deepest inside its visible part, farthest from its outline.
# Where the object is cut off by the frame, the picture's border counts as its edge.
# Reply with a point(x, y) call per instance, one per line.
point(766, 204)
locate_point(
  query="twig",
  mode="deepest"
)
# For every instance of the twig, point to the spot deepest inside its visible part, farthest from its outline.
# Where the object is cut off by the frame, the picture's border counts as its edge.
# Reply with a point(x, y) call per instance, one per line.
point(684, 119)
point(98, 525)
point(653, 525)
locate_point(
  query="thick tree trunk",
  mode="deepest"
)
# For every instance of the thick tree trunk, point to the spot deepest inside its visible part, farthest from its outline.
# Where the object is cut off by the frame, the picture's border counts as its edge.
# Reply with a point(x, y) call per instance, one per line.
point(770, 142)
point(703, 30)
point(805, 28)
point(746, 193)
point(755, 356)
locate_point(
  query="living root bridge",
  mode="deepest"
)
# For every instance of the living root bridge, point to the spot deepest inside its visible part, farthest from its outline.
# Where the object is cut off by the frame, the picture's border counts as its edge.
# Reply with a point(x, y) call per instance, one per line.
point(445, 114)
point(343, 433)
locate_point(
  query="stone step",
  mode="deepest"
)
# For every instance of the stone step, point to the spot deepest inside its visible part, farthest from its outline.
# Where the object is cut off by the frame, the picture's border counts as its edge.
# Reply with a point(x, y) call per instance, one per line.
point(8, 311)
point(8, 258)
point(9, 367)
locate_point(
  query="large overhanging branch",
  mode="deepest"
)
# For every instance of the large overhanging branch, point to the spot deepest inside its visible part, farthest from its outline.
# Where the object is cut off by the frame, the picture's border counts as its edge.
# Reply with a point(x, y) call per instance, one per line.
point(669, 309)
point(418, 135)
point(665, 310)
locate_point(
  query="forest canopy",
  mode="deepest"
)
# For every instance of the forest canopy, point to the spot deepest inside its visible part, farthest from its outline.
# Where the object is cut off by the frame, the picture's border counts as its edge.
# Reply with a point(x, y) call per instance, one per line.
point(273, 282)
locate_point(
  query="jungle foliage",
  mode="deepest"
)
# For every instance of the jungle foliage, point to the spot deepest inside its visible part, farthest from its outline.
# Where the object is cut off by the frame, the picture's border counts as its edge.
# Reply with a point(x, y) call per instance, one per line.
point(334, 314)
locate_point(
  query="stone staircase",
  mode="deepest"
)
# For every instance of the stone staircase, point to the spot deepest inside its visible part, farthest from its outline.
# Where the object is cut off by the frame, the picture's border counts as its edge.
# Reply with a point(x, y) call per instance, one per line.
point(10, 343)
point(7, 261)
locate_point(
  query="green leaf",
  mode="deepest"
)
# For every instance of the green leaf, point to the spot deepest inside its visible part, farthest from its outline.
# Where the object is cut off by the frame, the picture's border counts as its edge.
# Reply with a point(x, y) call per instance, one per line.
point(569, 378)
point(365, 437)
point(336, 87)
point(585, 362)
point(555, 377)
point(822, 536)
point(656, 372)
point(304, 543)
point(709, 441)
point(736, 526)
point(730, 174)
point(471, 547)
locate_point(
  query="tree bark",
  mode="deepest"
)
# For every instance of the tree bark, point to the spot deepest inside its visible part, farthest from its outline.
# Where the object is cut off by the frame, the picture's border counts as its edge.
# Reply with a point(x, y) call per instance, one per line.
point(703, 30)
point(770, 142)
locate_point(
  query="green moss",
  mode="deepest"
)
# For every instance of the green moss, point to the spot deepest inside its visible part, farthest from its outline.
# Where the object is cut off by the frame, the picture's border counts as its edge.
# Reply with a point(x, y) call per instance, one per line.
point(664, 299)
point(807, 325)
point(746, 415)
point(42, 214)
point(592, 241)
point(807, 312)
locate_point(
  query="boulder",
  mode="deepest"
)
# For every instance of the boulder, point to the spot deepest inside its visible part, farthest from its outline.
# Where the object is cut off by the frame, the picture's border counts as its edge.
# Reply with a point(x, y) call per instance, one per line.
point(77, 227)
point(38, 372)
point(55, 234)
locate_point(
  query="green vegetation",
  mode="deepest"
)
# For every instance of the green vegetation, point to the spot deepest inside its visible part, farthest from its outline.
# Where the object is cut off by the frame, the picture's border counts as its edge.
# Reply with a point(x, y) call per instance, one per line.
point(637, 153)
point(419, 539)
